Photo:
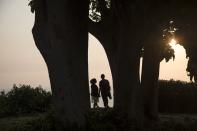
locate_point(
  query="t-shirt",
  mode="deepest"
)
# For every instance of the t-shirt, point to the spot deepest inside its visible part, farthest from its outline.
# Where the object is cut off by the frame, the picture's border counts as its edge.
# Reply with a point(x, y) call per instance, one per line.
point(94, 90)
point(104, 87)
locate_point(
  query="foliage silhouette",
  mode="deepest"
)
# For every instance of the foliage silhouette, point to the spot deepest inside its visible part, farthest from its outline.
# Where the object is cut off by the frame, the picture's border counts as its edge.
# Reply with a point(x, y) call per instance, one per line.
point(24, 99)
point(177, 97)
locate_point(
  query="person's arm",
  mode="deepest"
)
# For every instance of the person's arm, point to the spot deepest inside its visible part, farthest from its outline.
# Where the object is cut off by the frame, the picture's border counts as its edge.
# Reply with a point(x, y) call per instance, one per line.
point(91, 90)
point(109, 90)
point(99, 88)
point(109, 85)
point(98, 91)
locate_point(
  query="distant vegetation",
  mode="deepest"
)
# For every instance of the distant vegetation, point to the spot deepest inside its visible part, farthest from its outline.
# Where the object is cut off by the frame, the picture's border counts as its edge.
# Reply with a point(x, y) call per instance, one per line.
point(174, 97)
point(24, 99)
point(177, 97)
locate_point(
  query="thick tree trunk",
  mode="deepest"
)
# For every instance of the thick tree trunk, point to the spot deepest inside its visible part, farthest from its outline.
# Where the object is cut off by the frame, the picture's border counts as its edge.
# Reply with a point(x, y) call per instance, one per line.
point(119, 39)
point(124, 58)
point(150, 75)
point(63, 43)
point(127, 69)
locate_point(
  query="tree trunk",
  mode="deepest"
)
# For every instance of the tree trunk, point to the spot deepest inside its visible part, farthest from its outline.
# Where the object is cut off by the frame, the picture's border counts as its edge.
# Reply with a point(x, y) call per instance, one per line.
point(117, 34)
point(63, 43)
point(123, 54)
point(150, 75)
point(127, 69)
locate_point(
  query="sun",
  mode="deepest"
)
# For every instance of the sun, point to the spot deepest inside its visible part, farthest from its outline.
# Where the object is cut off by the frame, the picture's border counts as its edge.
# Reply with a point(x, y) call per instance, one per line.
point(173, 44)
point(177, 47)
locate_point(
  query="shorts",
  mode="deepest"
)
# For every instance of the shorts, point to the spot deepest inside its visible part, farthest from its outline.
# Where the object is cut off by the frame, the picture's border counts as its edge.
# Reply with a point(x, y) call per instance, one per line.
point(95, 99)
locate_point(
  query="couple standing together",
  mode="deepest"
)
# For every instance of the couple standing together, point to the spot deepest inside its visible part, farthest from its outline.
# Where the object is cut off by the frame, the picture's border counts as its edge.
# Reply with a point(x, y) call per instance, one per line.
point(104, 90)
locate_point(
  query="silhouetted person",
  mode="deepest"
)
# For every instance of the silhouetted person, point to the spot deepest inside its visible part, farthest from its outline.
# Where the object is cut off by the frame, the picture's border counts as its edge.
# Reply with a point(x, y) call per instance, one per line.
point(94, 93)
point(104, 90)
point(191, 70)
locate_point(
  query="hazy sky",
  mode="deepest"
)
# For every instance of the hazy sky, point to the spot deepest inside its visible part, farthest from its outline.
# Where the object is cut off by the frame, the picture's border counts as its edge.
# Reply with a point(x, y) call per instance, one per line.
point(21, 62)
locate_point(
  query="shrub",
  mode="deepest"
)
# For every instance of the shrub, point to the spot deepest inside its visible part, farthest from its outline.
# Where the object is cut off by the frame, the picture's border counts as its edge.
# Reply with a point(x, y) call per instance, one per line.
point(177, 97)
point(24, 100)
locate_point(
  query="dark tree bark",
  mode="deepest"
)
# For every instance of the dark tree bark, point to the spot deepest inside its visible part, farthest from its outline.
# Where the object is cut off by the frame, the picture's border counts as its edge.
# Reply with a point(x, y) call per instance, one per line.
point(150, 73)
point(117, 32)
point(157, 16)
point(61, 35)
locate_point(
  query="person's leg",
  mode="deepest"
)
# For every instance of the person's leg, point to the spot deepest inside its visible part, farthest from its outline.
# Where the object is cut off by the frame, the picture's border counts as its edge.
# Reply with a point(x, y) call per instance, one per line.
point(95, 105)
point(97, 100)
point(94, 102)
point(103, 98)
point(105, 101)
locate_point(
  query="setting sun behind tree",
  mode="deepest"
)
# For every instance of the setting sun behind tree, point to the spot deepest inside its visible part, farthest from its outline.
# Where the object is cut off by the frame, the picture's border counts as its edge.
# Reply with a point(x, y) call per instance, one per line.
point(177, 47)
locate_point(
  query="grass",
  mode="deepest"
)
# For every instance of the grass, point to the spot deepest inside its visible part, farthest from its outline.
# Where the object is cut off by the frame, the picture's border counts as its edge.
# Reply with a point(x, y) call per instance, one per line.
point(100, 121)
point(37, 122)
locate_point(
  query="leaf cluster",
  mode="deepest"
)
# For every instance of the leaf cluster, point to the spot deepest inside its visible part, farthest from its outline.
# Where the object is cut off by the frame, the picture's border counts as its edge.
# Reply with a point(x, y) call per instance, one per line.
point(94, 11)
point(24, 99)
point(33, 5)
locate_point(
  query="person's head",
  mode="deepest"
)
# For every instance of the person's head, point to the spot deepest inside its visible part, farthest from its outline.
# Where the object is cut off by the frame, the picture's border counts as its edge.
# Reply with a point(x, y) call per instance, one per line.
point(93, 81)
point(102, 76)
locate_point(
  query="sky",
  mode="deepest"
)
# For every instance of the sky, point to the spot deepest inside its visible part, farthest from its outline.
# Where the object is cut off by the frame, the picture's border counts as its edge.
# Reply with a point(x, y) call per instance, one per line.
point(22, 63)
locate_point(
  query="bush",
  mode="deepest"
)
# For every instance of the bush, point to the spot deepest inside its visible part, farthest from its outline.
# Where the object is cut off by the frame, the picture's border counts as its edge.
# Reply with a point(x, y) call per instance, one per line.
point(177, 97)
point(24, 100)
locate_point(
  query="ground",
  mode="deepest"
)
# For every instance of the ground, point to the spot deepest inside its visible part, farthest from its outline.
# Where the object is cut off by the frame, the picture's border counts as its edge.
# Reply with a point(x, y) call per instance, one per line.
point(42, 122)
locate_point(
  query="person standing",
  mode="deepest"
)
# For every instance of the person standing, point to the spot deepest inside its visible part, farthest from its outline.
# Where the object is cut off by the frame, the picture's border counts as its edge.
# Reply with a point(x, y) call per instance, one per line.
point(104, 90)
point(94, 93)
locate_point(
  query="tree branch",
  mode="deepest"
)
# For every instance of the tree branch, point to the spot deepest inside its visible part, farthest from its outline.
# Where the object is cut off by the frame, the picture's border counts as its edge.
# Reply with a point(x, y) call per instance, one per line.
point(40, 10)
point(95, 28)
point(103, 8)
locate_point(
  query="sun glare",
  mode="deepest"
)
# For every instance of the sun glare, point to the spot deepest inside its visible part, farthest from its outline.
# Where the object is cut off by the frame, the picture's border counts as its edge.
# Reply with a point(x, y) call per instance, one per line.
point(173, 44)
point(177, 47)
